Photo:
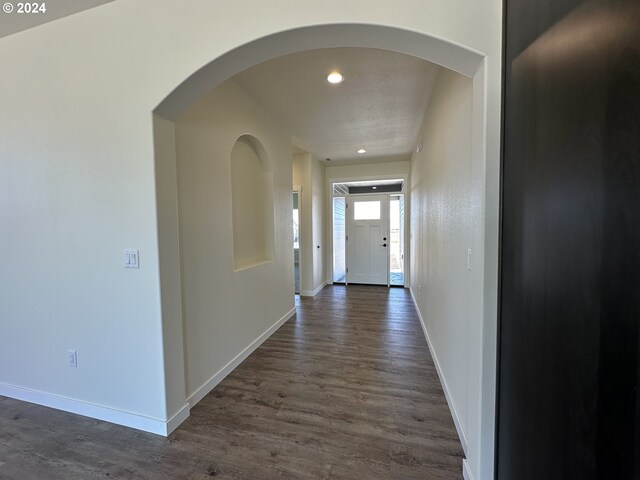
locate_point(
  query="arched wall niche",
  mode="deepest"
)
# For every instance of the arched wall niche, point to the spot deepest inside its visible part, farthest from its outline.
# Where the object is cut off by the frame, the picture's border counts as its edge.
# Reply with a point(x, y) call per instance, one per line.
point(251, 203)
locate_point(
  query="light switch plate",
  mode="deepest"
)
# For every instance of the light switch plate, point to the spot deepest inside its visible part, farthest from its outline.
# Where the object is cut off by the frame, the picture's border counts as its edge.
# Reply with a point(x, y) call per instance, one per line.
point(131, 259)
point(72, 358)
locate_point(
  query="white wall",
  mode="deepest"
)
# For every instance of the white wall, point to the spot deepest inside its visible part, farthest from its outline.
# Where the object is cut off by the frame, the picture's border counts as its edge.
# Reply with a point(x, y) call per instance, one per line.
point(401, 168)
point(224, 310)
point(78, 179)
point(444, 226)
point(318, 228)
point(308, 173)
point(164, 137)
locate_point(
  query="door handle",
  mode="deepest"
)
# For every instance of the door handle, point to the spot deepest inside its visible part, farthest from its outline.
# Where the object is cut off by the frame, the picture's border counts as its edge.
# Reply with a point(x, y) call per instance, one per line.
point(383, 245)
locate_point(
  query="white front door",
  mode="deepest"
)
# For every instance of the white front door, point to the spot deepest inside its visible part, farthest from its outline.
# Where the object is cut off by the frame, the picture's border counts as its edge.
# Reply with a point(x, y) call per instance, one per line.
point(367, 242)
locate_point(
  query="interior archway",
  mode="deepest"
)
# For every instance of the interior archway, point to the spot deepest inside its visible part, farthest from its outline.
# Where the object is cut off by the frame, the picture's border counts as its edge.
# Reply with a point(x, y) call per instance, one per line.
point(436, 50)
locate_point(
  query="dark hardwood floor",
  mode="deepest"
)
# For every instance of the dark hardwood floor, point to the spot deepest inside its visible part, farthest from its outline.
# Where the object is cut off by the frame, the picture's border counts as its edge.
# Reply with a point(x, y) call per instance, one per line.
point(344, 390)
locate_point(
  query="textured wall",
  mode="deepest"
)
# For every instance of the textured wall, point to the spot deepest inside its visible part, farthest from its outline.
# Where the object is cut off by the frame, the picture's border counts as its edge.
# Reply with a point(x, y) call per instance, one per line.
point(443, 223)
point(225, 310)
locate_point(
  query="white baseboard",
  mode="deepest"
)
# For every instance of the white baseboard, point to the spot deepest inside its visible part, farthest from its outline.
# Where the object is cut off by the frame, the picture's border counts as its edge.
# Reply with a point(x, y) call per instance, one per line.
point(317, 290)
point(466, 470)
point(209, 385)
point(443, 381)
point(175, 421)
point(86, 409)
point(309, 293)
point(134, 420)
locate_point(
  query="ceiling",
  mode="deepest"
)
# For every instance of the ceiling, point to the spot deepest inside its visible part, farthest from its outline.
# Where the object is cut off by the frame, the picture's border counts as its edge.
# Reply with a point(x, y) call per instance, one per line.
point(14, 22)
point(379, 106)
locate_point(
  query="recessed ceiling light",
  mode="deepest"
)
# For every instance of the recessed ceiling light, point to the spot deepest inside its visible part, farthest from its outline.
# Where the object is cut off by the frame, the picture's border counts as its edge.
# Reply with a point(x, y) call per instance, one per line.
point(362, 150)
point(335, 77)
point(375, 188)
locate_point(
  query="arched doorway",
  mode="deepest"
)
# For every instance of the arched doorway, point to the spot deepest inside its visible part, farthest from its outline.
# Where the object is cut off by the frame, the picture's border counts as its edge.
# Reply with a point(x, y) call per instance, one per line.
point(441, 52)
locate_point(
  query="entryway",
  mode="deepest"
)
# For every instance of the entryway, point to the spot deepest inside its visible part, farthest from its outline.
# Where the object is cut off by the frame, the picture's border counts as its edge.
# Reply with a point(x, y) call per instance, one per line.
point(368, 232)
point(367, 220)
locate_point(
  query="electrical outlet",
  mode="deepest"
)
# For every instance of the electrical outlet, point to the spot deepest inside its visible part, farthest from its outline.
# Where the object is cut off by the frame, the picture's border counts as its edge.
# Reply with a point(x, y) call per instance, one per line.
point(72, 357)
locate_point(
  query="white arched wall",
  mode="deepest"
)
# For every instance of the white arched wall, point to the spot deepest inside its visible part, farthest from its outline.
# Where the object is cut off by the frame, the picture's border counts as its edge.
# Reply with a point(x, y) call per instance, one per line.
point(459, 59)
point(88, 184)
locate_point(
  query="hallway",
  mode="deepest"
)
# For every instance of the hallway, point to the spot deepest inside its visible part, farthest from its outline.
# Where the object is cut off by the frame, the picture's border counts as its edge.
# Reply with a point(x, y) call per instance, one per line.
point(344, 390)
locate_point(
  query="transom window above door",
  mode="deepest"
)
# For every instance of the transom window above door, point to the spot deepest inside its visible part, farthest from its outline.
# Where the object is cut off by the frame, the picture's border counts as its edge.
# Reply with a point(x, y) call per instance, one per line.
point(366, 210)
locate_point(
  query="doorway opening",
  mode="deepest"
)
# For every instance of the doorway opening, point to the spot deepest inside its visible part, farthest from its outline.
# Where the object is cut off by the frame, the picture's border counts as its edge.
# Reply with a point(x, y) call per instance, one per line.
point(396, 240)
point(296, 242)
point(182, 347)
point(339, 240)
point(368, 232)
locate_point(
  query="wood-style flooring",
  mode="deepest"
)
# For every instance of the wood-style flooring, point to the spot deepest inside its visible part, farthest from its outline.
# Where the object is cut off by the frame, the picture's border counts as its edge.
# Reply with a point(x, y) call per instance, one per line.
point(346, 389)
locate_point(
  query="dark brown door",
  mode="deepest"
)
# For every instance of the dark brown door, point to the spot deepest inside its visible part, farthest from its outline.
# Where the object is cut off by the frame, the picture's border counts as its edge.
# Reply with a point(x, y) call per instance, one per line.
point(570, 261)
